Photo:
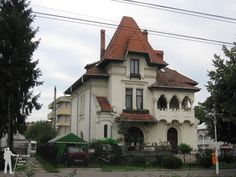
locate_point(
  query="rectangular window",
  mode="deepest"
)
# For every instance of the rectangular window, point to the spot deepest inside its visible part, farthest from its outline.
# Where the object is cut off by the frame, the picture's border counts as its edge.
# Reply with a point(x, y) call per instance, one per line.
point(128, 98)
point(139, 98)
point(134, 66)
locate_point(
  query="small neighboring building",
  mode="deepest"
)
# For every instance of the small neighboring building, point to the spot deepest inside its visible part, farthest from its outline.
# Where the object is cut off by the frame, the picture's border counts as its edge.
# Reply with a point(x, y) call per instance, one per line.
point(131, 86)
point(204, 141)
point(21, 145)
point(63, 114)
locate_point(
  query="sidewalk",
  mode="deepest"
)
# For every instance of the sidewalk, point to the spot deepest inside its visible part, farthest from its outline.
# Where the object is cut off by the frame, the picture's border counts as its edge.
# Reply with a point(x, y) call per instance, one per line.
point(96, 172)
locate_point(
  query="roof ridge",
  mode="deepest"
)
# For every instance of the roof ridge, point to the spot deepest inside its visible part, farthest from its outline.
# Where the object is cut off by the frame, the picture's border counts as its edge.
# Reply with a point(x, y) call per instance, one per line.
point(121, 43)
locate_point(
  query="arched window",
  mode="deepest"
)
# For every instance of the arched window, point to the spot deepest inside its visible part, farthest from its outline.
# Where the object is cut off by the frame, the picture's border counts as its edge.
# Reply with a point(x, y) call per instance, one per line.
point(186, 104)
point(105, 130)
point(174, 103)
point(162, 104)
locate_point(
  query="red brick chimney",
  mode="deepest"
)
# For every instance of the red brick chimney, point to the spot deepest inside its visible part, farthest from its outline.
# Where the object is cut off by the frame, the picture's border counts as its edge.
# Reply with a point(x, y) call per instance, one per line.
point(102, 43)
point(145, 33)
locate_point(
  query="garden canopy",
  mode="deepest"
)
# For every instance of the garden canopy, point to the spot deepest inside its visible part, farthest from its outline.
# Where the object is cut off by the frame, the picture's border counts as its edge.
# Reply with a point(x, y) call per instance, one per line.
point(68, 139)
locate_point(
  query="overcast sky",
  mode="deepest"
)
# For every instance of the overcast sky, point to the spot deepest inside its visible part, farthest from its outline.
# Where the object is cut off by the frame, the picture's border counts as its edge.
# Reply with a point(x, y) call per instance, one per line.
point(65, 47)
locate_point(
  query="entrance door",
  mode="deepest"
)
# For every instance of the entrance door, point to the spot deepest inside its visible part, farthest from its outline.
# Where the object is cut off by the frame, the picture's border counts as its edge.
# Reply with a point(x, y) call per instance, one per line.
point(134, 136)
point(172, 138)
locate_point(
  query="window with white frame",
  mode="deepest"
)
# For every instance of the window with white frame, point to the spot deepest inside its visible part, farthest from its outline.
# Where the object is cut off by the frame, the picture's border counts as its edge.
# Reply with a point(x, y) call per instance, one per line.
point(129, 98)
point(139, 98)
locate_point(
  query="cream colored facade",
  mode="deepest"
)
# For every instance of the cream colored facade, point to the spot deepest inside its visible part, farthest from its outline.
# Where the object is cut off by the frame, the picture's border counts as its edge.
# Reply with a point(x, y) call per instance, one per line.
point(63, 114)
point(167, 111)
point(88, 121)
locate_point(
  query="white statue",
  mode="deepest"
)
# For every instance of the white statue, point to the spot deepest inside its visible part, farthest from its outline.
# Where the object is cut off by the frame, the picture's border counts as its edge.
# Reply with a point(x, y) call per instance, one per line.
point(7, 157)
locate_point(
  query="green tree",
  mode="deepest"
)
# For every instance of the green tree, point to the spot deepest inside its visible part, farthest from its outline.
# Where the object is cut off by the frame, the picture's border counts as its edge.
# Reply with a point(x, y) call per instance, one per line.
point(221, 104)
point(200, 113)
point(184, 149)
point(41, 132)
point(17, 68)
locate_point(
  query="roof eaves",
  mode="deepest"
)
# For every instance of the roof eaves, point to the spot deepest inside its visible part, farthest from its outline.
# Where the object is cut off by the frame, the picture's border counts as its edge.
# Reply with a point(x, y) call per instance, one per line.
point(175, 87)
point(83, 79)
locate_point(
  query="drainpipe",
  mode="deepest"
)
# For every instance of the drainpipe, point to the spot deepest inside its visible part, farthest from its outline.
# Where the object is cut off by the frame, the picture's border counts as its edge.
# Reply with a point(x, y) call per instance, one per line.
point(90, 96)
point(77, 115)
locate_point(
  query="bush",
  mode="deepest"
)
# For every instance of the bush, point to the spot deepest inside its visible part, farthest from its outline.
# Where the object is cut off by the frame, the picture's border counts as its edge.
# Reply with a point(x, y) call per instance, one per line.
point(204, 158)
point(48, 151)
point(111, 152)
point(139, 161)
point(171, 162)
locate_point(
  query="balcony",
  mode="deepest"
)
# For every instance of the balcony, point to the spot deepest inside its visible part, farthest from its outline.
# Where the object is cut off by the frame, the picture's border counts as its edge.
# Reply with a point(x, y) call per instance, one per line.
point(63, 111)
point(175, 114)
point(50, 116)
point(63, 124)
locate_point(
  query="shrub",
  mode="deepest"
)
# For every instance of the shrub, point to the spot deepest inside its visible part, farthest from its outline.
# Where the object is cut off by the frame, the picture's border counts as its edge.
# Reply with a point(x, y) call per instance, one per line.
point(48, 151)
point(204, 158)
point(171, 162)
point(150, 162)
point(139, 161)
point(184, 149)
point(111, 152)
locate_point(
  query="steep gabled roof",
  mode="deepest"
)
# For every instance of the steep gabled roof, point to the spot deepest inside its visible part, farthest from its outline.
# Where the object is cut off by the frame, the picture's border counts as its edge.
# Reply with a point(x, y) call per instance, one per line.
point(129, 38)
point(168, 78)
point(104, 104)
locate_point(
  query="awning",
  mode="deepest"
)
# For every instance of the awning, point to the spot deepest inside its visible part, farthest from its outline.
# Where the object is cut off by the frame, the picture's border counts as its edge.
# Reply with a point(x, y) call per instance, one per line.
point(136, 116)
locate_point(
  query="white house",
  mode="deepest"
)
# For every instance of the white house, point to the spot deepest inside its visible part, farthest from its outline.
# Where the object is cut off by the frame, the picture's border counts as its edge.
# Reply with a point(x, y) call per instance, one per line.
point(131, 86)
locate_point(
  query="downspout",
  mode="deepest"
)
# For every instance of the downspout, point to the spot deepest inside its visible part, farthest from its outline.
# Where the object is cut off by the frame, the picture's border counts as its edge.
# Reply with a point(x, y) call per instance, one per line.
point(77, 114)
point(90, 95)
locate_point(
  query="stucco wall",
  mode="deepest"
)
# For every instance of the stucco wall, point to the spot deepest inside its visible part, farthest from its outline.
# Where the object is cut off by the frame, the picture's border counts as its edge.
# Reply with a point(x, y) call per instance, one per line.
point(114, 89)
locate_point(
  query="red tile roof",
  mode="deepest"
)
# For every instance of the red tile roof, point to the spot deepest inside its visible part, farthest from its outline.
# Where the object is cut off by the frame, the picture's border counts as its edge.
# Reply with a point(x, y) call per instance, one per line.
point(104, 104)
point(93, 71)
point(129, 38)
point(96, 71)
point(167, 78)
point(136, 117)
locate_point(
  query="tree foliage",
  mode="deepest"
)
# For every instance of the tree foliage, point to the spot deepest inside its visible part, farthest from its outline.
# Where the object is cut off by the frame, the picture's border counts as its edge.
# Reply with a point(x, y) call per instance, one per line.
point(200, 113)
point(222, 100)
point(41, 132)
point(184, 149)
point(18, 70)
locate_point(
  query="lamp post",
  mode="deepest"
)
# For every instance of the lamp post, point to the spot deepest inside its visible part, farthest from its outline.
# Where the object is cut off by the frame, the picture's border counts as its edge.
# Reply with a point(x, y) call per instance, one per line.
point(216, 145)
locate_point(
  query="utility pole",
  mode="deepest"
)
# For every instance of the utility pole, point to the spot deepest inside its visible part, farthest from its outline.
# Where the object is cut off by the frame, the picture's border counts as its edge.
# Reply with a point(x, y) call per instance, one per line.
point(54, 107)
point(216, 145)
point(213, 118)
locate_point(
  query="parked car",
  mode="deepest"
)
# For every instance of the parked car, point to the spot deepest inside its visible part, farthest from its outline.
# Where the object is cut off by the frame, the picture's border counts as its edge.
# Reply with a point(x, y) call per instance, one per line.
point(75, 155)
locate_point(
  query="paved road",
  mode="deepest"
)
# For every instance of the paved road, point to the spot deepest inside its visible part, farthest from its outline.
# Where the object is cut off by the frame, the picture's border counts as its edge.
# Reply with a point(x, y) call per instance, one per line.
point(160, 173)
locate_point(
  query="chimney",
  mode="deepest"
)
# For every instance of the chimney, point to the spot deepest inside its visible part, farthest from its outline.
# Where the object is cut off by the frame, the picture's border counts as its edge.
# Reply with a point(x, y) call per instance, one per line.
point(145, 33)
point(102, 43)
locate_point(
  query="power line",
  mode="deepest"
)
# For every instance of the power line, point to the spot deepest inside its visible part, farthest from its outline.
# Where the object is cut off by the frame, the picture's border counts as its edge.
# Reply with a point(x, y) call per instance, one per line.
point(112, 25)
point(180, 11)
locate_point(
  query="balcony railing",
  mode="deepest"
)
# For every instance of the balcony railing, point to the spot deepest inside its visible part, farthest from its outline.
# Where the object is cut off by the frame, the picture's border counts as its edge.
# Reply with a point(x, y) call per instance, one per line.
point(63, 123)
point(63, 111)
point(175, 114)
